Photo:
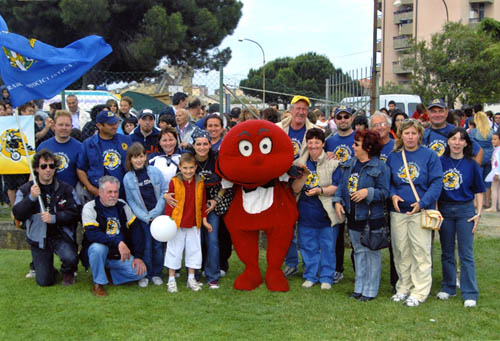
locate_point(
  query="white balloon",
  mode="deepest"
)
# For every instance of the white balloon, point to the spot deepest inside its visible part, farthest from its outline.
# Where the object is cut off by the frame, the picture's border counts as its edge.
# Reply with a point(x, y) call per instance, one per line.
point(163, 228)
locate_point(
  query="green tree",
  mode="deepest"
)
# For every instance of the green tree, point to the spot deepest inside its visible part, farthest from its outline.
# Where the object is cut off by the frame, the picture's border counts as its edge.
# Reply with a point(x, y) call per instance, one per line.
point(142, 33)
point(459, 63)
point(304, 75)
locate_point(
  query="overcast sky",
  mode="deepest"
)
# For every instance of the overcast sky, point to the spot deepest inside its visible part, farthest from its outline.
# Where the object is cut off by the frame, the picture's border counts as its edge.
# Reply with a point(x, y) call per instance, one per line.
point(338, 29)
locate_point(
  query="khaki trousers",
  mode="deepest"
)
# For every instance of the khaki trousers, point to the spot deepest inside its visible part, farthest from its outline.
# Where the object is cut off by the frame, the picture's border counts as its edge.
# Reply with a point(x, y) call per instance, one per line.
point(411, 246)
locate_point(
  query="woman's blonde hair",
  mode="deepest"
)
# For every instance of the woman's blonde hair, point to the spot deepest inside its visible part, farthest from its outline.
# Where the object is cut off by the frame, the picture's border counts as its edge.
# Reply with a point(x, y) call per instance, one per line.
point(482, 124)
point(408, 123)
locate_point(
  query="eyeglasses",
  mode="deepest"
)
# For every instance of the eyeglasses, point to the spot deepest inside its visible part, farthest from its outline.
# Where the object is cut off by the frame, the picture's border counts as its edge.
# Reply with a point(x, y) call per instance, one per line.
point(343, 117)
point(383, 124)
point(45, 165)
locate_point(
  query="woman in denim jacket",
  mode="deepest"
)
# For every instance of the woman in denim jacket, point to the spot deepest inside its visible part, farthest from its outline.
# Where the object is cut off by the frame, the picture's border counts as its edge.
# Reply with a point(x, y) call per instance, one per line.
point(361, 194)
point(144, 187)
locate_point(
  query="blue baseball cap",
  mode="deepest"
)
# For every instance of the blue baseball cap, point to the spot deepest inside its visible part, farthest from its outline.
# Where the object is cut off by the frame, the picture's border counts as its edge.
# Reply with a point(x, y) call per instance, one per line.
point(106, 116)
point(343, 108)
point(438, 102)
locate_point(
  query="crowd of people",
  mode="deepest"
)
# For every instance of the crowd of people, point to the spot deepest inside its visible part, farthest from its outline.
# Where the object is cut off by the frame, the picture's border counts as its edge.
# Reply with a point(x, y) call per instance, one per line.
point(114, 171)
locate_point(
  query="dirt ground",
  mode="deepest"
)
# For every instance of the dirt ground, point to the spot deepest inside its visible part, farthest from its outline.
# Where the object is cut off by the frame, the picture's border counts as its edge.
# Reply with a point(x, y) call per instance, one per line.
point(489, 225)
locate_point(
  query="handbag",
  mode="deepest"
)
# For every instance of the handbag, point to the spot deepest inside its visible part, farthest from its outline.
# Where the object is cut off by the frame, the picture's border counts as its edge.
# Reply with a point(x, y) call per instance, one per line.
point(375, 239)
point(431, 219)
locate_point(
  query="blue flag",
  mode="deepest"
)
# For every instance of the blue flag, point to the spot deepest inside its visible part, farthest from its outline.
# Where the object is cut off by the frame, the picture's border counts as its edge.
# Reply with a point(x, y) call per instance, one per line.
point(31, 69)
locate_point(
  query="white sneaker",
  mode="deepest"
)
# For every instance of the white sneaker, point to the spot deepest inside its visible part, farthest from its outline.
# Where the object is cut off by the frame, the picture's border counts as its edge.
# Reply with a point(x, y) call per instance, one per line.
point(398, 297)
point(470, 303)
point(193, 284)
point(143, 282)
point(326, 286)
point(412, 302)
point(443, 295)
point(157, 280)
point(307, 284)
point(222, 273)
point(172, 286)
point(337, 277)
point(31, 274)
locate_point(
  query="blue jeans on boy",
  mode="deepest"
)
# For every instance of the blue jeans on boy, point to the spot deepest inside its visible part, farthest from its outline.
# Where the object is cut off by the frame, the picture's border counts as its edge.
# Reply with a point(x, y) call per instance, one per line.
point(368, 267)
point(153, 252)
point(317, 245)
point(292, 256)
point(121, 272)
point(455, 223)
point(211, 240)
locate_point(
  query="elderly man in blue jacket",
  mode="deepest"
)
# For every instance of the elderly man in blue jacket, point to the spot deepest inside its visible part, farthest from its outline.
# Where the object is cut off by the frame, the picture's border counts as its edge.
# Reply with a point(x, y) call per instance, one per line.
point(113, 240)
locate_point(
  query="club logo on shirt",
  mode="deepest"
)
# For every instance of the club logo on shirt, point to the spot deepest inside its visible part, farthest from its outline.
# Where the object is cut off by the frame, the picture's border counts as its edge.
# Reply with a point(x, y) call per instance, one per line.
point(312, 181)
point(112, 159)
point(414, 172)
point(296, 147)
point(352, 183)
point(342, 153)
point(452, 179)
point(438, 146)
point(383, 157)
point(112, 226)
point(124, 146)
point(63, 160)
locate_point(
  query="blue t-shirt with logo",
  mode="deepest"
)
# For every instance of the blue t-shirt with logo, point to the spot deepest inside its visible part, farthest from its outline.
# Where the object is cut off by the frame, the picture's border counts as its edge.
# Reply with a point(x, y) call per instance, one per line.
point(461, 179)
point(311, 211)
point(296, 136)
point(387, 150)
point(436, 139)
point(67, 154)
point(341, 146)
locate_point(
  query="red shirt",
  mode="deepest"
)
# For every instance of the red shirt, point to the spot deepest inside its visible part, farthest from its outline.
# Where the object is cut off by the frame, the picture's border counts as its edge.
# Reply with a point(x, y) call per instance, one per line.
point(189, 212)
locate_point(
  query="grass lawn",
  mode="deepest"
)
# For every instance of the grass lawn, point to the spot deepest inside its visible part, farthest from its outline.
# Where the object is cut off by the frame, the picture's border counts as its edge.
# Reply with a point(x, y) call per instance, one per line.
point(32, 312)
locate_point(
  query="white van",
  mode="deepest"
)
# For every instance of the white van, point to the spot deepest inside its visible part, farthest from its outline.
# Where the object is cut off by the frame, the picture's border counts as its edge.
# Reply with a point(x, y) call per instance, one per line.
point(405, 103)
point(87, 99)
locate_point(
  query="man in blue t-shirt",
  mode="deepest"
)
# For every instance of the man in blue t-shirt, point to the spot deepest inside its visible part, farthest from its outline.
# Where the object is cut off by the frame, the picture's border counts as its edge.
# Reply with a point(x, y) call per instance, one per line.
point(296, 126)
point(64, 147)
point(381, 123)
point(339, 146)
point(435, 137)
point(103, 154)
point(146, 133)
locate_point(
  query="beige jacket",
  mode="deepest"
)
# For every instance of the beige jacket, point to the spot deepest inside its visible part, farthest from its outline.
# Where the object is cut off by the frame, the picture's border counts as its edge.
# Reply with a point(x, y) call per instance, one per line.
point(325, 169)
point(285, 125)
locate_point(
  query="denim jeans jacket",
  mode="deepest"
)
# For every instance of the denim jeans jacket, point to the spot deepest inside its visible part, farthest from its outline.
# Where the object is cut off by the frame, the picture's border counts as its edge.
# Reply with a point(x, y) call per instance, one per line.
point(375, 176)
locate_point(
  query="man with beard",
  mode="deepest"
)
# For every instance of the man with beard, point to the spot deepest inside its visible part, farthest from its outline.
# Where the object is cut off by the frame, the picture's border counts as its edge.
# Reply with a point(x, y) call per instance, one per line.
point(339, 147)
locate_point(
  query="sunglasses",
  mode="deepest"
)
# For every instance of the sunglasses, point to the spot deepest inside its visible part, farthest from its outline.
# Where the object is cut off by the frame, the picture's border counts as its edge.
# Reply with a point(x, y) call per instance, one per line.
point(343, 117)
point(45, 165)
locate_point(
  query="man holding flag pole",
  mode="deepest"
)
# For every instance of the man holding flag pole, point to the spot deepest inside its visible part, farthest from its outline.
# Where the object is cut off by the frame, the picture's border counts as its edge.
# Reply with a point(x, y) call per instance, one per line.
point(31, 69)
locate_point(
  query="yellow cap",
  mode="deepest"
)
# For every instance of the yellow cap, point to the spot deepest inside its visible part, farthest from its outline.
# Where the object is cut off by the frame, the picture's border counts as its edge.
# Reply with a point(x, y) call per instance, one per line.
point(297, 98)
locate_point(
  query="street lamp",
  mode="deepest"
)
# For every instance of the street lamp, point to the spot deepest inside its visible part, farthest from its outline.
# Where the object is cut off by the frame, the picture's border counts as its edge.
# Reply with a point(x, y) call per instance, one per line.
point(263, 68)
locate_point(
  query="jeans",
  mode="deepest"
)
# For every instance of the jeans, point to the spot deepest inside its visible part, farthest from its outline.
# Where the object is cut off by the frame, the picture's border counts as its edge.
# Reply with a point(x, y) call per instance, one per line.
point(121, 272)
point(211, 241)
point(153, 252)
point(339, 248)
point(43, 259)
point(317, 249)
point(455, 224)
point(292, 256)
point(368, 266)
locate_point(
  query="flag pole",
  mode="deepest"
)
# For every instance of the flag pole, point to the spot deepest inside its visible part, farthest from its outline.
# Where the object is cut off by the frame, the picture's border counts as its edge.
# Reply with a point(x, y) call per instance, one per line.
point(42, 206)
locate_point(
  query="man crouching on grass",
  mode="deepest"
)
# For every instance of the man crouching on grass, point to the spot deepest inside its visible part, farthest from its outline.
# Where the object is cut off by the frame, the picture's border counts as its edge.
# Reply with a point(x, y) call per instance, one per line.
point(51, 231)
point(113, 240)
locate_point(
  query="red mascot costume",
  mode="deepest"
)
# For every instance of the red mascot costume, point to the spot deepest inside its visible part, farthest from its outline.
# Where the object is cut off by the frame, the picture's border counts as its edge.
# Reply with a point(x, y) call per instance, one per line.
point(255, 156)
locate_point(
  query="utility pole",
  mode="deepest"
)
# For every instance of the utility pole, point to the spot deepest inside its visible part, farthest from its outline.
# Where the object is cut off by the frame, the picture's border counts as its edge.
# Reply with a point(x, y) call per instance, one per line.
point(373, 81)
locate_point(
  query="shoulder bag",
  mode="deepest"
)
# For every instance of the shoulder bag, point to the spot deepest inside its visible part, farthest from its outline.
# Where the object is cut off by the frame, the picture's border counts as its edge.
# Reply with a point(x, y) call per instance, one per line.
point(431, 219)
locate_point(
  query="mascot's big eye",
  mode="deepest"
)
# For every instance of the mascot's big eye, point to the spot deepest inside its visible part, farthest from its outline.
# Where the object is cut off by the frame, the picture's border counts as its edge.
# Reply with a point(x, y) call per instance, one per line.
point(245, 147)
point(265, 145)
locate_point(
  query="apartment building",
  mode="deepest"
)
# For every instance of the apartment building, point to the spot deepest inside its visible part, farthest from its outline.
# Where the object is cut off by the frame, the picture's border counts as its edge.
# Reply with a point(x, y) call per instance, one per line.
point(401, 20)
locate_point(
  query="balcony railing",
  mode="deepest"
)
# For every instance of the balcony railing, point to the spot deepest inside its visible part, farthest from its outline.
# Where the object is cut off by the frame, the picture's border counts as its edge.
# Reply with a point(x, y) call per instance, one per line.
point(399, 69)
point(406, 29)
point(403, 16)
point(401, 42)
point(481, 1)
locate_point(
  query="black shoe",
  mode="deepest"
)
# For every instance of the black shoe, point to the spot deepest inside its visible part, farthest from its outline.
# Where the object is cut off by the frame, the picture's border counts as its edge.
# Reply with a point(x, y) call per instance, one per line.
point(355, 295)
point(365, 298)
